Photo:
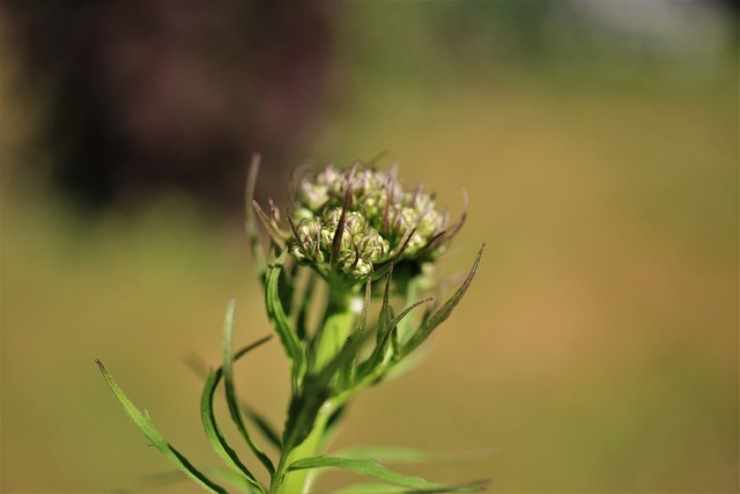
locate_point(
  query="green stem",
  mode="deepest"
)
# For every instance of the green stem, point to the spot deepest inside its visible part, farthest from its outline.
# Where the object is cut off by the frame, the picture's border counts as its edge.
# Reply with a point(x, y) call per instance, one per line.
point(298, 482)
point(329, 340)
point(335, 329)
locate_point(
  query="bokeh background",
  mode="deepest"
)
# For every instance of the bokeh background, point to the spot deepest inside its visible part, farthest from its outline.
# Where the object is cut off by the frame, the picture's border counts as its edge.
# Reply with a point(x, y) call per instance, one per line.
point(598, 142)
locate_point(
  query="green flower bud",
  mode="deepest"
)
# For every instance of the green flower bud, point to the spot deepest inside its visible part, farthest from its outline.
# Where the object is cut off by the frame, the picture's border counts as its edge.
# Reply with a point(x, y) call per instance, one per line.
point(355, 222)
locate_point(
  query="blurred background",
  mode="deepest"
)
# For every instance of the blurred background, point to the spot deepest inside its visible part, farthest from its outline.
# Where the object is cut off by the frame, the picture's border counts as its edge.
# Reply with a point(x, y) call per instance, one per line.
point(597, 139)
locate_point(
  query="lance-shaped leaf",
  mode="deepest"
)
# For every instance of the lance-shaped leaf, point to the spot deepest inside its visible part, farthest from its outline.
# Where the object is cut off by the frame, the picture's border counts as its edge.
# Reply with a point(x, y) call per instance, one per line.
point(386, 311)
point(230, 390)
point(415, 286)
point(261, 422)
point(439, 316)
point(286, 284)
point(394, 454)
point(233, 478)
point(144, 422)
point(378, 356)
point(284, 328)
point(332, 425)
point(304, 304)
point(372, 468)
point(263, 425)
point(378, 488)
point(385, 454)
point(224, 474)
point(215, 437)
point(366, 300)
point(348, 373)
point(398, 454)
point(217, 440)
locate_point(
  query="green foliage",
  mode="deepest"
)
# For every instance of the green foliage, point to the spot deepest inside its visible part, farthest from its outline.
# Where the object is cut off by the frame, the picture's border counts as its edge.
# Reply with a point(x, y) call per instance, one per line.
point(372, 468)
point(376, 488)
point(393, 454)
point(259, 421)
point(346, 353)
point(217, 440)
point(435, 319)
point(230, 391)
point(145, 424)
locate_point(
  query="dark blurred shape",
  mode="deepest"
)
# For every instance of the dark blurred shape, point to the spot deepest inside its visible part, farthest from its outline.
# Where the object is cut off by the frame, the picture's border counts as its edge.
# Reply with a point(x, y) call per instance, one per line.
point(148, 95)
point(733, 5)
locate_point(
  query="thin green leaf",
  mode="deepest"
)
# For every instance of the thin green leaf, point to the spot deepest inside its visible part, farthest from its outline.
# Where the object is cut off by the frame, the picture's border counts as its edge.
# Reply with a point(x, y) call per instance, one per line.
point(406, 364)
point(381, 350)
point(374, 469)
point(395, 454)
point(263, 425)
point(371, 488)
point(366, 301)
point(306, 297)
point(348, 373)
point(217, 440)
point(385, 315)
point(226, 475)
point(209, 420)
point(396, 320)
point(230, 391)
point(250, 225)
point(144, 422)
point(276, 312)
point(332, 424)
point(377, 488)
point(438, 317)
point(414, 287)
point(261, 422)
point(286, 285)
point(234, 478)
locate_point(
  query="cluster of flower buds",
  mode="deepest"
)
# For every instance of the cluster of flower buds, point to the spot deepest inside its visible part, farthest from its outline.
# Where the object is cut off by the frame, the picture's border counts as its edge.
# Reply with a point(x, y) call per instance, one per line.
point(358, 220)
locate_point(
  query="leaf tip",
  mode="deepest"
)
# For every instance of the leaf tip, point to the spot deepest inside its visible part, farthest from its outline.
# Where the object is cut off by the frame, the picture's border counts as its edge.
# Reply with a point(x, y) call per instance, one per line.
point(101, 367)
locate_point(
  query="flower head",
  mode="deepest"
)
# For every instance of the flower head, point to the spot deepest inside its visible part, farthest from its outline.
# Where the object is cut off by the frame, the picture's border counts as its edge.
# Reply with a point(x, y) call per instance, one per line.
point(356, 221)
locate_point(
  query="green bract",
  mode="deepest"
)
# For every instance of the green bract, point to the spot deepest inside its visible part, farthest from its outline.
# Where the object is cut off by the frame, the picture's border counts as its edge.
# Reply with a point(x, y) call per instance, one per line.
point(349, 228)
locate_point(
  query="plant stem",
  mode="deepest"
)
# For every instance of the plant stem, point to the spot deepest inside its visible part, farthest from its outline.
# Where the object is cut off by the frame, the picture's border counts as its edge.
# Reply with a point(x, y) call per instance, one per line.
point(297, 482)
point(332, 335)
point(335, 328)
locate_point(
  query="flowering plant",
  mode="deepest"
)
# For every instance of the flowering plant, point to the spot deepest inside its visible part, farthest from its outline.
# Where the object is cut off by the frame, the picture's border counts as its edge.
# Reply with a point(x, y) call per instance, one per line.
point(365, 237)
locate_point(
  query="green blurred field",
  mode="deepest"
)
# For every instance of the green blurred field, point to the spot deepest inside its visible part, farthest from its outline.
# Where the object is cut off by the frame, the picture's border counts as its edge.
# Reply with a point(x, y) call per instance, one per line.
point(596, 352)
